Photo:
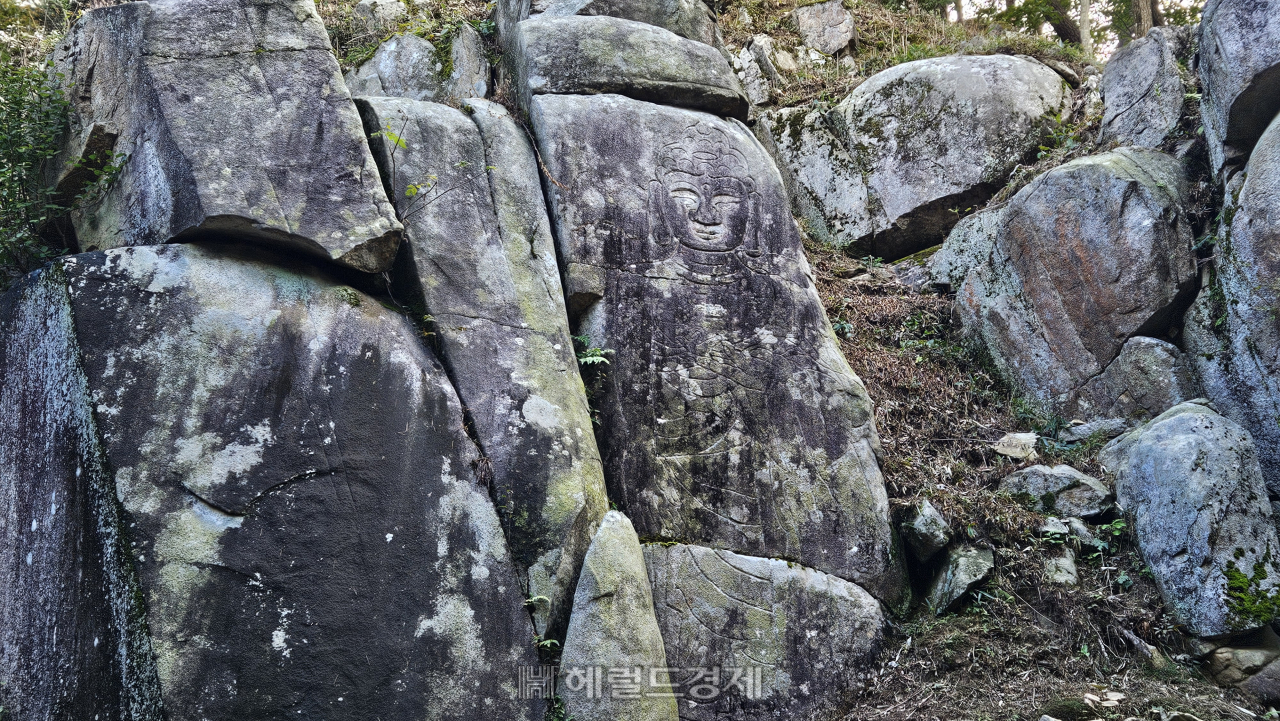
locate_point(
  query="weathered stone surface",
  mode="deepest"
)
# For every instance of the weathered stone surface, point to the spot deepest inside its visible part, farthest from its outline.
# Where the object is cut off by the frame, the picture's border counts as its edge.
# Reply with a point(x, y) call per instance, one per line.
point(937, 136)
point(1019, 446)
point(70, 648)
point(295, 484)
point(1107, 428)
point(613, 627)
point(686, 18)
point(485, 263)
point(591, 55)
point(1232, 333)
point(403, 66)
point(963, 568)
point(234, 119)
point(825, 26)
point(795, 637)
point(378, 15)
point(1060, 489)
point(1149, 377)
point(925, 531)
point(1088, 256)
point(1239, 68)
point(827, 187)
point(1142, 92)
point(1191, 479)
point(969, 244)
point(729, 417)
point(1234, 663)
point(754, 82)
point(1062, 569)
point(470, 75)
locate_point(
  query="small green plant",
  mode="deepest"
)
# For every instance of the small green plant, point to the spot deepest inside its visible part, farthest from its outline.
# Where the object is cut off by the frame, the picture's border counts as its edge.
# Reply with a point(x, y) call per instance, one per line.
point(535, 601)
point(589, 354)
point(546, 644)
point(842, 327)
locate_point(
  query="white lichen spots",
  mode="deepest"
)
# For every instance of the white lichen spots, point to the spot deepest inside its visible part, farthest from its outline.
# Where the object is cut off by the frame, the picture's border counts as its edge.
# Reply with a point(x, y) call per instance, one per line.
point(542, 412)
point(206, 469)
point(278, 638)
point(390, 536)
point(766, 336)
point(454, 624)
point(29, 558)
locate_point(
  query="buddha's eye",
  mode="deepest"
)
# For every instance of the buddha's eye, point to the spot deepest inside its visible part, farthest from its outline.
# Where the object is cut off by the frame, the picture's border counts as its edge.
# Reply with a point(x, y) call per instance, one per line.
point(725, 203)
point(688, 197)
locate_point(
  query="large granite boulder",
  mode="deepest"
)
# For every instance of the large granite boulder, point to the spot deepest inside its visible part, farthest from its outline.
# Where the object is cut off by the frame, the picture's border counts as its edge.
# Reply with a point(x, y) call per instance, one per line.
point(1149, 376)
point(407, 66)
point(1086, 257)
point(1191, 480)
point(1142, 91)
point(300, 529)
point(1232, 331)
point(826, 185)
point(484, 263)
point(1058, 489)
point(933, 138)
point(968, 245)
point(613, 628)
point(728, 417)
point(1239, 68)
point(788, 641)
point(600, 54)
point(687, 18)
point(825, 26)
point(231, 117)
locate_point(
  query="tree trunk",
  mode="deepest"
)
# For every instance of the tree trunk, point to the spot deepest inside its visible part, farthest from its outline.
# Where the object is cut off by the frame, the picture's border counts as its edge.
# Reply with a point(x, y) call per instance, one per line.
point(1086, 28)
point(1009, 4)
point(1142, 19)
point(959, 11)
point(1063, 26)
point(1157, 17)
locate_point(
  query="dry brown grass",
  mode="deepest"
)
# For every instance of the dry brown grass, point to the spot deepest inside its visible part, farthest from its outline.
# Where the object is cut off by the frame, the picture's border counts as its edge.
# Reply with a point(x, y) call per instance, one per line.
point(1021, 645)
point(887, 37)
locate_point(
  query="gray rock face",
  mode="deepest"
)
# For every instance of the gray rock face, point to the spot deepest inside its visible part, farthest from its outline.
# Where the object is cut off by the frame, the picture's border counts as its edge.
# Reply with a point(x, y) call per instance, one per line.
point(1192, 482)
point(826, 184)
point(686, 18)
point(754, 81)
point(590, 55)
point(244, 405)
point(1053, 325)
point(935, 136)
point(1239, 68)
point(968, 245)
point(1060, 489)
point(614, 627)
point(962, 569)
point(1149, 377)
point(485, 263)
point(925, 532)
point(1232, 333)
point(404, 66)
point(69, 646)
point(1142, 91)
point(788, 639)
point(1062, 570)
point(1107, 428)
point(826, 26)
point(234, 120)
point(729, 417)
point(378, 15)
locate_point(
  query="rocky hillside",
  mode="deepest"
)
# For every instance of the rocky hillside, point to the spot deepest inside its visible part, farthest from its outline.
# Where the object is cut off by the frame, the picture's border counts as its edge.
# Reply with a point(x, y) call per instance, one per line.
point(646, 361)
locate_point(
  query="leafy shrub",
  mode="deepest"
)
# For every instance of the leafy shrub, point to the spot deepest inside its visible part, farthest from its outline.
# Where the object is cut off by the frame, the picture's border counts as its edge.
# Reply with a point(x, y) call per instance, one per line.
point(33, 116)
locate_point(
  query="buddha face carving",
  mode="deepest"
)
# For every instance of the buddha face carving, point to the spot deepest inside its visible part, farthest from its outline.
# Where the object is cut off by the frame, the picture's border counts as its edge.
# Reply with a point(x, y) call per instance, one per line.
point(704, 197)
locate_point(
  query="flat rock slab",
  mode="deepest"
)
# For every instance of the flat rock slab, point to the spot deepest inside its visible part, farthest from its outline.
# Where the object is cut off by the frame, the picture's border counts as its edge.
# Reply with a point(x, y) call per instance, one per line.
point(1059, 489)
point(1142, 91)
point(614, 628)
point(728, 416)
point(484, 263)
point(826, 26)
point(233, 119)
point(687, 18)
point(962, 569)
point(1239, 70)
point(933, 137)
point(590, 55)
point(1204, 524)
point(300, 499)
point(1231, 333)
point(1053, 326)
point(787, 641)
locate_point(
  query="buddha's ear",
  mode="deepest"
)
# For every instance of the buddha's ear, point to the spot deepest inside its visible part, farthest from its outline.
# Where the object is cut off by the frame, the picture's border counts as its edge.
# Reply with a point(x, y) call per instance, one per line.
point(660, 232)
point(752, 243)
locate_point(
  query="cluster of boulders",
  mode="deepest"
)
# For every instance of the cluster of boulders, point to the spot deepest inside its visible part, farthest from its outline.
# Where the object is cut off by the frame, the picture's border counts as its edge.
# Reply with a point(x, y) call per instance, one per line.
point(302, 427)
